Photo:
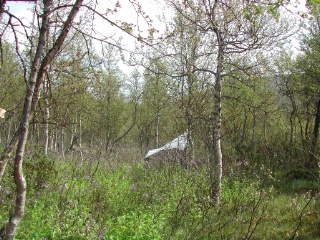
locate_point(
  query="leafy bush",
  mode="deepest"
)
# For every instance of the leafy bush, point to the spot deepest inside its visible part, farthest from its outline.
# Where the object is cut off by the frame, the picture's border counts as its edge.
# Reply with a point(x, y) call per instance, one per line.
point(236, 190)
point(39, 169)
point(84, 199)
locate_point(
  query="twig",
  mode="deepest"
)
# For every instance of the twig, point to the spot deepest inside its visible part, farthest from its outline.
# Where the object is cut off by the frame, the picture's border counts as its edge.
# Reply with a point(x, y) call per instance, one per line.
point(294, 235)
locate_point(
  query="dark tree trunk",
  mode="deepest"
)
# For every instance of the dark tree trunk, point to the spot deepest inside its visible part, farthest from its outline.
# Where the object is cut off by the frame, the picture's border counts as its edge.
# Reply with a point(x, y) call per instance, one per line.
point(312, 164)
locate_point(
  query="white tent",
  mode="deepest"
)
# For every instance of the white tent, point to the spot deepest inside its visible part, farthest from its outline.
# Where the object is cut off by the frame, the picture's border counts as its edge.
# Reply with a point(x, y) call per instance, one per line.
point(177, 143)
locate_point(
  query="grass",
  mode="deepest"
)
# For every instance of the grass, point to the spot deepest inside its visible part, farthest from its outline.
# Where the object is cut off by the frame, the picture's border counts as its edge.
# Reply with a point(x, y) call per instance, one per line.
point(81, 199)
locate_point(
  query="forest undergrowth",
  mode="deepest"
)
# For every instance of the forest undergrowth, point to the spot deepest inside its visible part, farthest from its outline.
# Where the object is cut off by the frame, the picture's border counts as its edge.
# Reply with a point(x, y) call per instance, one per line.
point(115, 197)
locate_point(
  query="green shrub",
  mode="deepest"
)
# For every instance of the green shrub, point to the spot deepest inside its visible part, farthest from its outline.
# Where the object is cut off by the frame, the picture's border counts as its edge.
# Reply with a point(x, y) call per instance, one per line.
point(127, 201)
point(39, 169)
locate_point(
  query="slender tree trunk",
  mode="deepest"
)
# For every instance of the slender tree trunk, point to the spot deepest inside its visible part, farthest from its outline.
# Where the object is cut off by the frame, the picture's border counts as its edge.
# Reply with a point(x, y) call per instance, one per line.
point(80, 132)
point(215, 159)
point(8, 133)
point(10, 228)
point(216, 153)
point(62, 141)
point(312, 164)
point(55, 140)
point(254, 132)
point(2, 5)
point(292, 115)
point(51, 140)
point(158, 113)
point(46, 115)
point(190, 145)
point(189, 152)
point(307, 124)
point(80, 137)
point(6, 154)
point(191, 80)
point(157, 128)
point(36, 132)
point(244, 128)
point(254, 128)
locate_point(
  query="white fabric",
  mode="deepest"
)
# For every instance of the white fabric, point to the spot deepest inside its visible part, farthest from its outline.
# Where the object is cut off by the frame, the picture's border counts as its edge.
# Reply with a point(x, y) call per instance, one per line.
point(2, 112)
point(177, 143)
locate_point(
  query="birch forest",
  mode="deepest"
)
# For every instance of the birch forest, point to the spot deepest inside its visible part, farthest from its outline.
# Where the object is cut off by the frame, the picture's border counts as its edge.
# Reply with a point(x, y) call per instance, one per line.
point(136, 119)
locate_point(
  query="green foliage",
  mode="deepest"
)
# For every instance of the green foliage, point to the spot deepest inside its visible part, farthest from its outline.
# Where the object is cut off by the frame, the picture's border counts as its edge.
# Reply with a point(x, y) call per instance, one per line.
point(313, 2)
point(39, 169)
point(136, 225)
point(235, 190)
point(126, 200)
point(116, 198)
point(157, 110)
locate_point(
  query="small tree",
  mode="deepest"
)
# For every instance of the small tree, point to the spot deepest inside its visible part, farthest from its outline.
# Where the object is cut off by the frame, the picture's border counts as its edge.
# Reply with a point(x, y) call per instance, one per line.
point(232, 28)
point(34, 81)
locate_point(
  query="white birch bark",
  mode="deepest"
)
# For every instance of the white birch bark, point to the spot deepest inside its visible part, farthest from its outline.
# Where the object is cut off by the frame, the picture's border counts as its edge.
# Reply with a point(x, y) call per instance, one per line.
point(46, 115)
point(216, 153)
point(62, 141)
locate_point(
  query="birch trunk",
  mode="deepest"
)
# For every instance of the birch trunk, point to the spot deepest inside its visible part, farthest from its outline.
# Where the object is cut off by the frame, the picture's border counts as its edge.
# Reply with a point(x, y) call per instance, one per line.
point(157, 129)
point(80, 137)
point(38, 73)
point(46, 115)
point(215, 160)
point(30, 89)
point(8, 134)
point(9, 229)
point(158, 113)
point(54, 141)
point(80, 132)
point(62, 141)
point(190, 158)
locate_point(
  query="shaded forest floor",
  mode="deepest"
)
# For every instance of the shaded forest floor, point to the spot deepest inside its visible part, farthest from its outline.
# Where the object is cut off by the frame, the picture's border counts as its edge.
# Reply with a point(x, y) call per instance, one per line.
point(89, 198)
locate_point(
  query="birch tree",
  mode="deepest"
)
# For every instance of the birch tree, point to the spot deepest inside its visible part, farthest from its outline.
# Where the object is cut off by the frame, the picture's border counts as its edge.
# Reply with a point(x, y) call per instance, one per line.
point(312, 72)
point(12, 89)
point(47, 46)
point(155, 105)
point(232, 28)
point(300, 85)
point(34, 81)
